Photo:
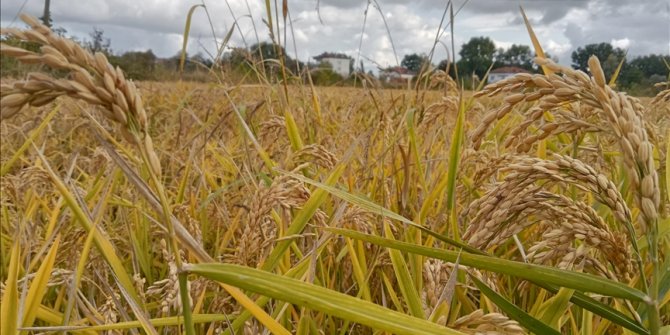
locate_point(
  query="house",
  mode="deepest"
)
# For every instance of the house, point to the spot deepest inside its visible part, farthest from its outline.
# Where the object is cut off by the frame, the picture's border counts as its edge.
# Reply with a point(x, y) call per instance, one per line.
point(340, 63)
point(504, 73)
point(396, 75)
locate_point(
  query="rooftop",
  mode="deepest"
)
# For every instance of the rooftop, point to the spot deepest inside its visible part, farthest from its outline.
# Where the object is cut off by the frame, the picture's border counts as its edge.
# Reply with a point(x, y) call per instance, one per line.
point(510, 69)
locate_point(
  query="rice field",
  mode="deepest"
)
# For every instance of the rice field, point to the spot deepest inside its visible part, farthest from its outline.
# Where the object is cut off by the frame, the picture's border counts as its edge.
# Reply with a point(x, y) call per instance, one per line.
point(538, 204)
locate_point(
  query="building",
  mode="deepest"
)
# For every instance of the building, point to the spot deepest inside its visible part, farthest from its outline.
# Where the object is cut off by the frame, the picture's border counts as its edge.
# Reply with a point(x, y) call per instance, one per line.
point(396, 75)
point(340, 63)
point(504, 72)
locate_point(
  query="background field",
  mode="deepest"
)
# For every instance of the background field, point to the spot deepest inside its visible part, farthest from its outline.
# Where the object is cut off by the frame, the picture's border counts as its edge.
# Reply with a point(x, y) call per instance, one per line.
point(538, 204)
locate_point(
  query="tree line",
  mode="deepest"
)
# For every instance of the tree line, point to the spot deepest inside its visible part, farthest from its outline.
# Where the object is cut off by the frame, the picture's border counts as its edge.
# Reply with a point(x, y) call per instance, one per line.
point(637, 75)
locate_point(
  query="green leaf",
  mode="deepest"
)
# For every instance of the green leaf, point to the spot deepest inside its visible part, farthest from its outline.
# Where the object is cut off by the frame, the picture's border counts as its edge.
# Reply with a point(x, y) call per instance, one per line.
point(405, 281)
point(187, 29)
point(292, 131)
point(512, 311)
point(9, 310)
point(33, 135)
point(454, 156)
point(300, 220)
point(582, 300)
point(372, 207)
point(580, 281)
point(38, 287)
point(317, 298)
point(553, 309)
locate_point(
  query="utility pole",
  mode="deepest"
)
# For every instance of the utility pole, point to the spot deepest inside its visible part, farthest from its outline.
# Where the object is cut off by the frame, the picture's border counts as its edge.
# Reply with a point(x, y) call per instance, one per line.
point(46, 18)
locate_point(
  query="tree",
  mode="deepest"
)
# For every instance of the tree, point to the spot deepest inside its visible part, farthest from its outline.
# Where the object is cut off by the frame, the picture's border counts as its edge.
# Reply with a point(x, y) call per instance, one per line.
point(98, 42)
point(269, 51)
point(603, 51)
point(639, 75)
point(517, 55)
point(139, 65)
point(476, 56)
point(650, 65)
point(414, 62)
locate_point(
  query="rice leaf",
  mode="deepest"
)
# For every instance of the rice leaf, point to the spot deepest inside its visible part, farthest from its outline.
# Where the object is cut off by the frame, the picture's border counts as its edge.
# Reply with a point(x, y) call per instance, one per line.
point(105, 247)
point(7, 166)
point(187, 29)
point(553, 309)
point(513, 312)
point(536, 44)
point(580, 281)
point(454, 156)
point(372, 207)
point(301, 219)
point(404, 278)
point(413, 143)
point(317, 298)
point(615, 75)
point(293, 131)
point(9, 311)
point(38, 286)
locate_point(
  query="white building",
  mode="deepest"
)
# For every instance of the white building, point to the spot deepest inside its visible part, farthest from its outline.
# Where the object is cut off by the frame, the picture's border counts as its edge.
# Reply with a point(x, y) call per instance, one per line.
point(340, 63)
point(504, 72)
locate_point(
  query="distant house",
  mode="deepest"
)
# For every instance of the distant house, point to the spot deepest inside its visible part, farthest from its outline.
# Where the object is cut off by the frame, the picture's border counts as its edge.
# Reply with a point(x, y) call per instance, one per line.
point(340, 63)
point(504, 73)
point(396, 75)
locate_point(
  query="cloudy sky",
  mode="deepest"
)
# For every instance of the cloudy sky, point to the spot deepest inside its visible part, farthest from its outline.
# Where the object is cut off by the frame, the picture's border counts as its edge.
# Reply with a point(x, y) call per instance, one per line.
point(642, 27)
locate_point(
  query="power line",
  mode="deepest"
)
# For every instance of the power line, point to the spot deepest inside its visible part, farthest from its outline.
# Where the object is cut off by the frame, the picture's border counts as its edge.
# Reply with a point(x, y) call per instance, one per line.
point(17, 13)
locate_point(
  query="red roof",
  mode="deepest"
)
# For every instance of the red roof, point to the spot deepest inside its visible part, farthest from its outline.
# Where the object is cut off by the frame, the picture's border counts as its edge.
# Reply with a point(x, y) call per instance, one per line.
point(510, 69)
point(396, 69)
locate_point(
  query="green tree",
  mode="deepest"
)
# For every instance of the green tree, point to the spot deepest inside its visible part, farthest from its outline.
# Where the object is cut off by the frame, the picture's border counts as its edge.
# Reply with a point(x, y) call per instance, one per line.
point(516, 55)
point(608, 55)
point(98, 42)
point(476, 56)
point(140, 65)
point(650, 65)
point(268, 51)
point(639, 75)
point(414, 62)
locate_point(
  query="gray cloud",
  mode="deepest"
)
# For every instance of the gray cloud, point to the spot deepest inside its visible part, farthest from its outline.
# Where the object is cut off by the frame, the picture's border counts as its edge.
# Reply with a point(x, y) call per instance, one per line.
point(561, 26)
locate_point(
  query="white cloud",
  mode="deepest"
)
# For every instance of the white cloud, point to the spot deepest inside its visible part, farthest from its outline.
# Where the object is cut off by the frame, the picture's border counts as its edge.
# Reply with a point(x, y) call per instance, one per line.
point(623, 43)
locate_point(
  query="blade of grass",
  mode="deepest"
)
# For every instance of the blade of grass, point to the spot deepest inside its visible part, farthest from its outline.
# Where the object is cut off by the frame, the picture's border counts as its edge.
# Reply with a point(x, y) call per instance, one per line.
point(33, 135)
point(317, 298)
point(615, 75)
point(454, 156)
point(404, 278)
point(415, 147)
point(512, 311)
point(9, 311)
point(300, 220)
point(580, 281)
point(105, 247)
point(372, 207)
point(187, 30)
point(292, 131)
point(38, 287)
point(536, 44)
point(553, 309)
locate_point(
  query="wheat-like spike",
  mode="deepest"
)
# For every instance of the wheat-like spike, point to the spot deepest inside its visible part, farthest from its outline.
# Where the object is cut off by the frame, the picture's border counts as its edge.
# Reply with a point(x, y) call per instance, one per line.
point(491, 323)
point(624, 114)
point(90, 78)
point(317, 154)
point(525, 171)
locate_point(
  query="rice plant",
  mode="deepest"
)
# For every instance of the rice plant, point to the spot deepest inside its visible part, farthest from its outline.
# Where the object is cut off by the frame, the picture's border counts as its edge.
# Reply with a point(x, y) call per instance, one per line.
point(538, 204)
